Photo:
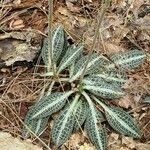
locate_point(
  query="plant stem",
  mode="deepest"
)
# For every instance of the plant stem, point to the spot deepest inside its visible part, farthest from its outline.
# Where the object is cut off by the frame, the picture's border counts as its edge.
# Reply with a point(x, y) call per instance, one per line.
point(50, 88)
point(87, 97)
point(64, 79)
point(50, 47)
point(100, 19)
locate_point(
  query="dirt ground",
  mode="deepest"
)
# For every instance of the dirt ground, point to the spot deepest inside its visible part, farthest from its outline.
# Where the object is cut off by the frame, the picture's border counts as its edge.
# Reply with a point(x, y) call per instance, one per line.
point(23, 24)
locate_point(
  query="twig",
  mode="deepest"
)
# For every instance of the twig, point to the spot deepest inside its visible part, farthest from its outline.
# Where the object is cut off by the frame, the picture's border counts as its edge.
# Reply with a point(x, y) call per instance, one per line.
point(50, 47)
point(100, 19)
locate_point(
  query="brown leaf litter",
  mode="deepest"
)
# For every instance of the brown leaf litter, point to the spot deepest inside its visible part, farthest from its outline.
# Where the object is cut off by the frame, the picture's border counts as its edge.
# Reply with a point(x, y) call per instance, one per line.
point(8, 142)
point(125, 26)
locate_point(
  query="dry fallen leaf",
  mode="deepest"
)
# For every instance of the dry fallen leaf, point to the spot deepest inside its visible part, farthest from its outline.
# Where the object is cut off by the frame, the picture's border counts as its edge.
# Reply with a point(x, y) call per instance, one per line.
point(113, 139)
point(126, 102)
point(86, 147)
point(114, 143)
point(72, 8)
point(129, 142)
point(75, 25)
point(113, 47)
point(16, 24)
point(17, 2)
point(75, 140)
point(7, 142)
point(15, 50)
point(141, 146)
point(18, 46)
point(123, 148)
point(135, 7)
point(114, 136)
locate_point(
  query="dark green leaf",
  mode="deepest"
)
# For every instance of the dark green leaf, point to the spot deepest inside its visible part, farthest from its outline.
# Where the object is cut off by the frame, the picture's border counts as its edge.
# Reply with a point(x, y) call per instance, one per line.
point(70, 57)
point(49, 104)
point(128, 60)
point(80, 114)
point(93, 66)
point(57, 46)
point(117, 78)
point(63, 125)
point(37, 126)
point(103, 89)
point(94, 129)
point(120, 120)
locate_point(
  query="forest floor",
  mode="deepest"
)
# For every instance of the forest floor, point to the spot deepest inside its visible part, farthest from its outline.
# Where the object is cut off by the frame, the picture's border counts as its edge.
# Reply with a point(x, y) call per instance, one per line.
point(23, 24)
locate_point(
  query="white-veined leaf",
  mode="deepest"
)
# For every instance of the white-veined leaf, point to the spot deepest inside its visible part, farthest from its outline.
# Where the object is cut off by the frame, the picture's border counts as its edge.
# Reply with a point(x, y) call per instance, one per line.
point(37, 126)
point(45, 53)
point(80, 113)
point(57, 46)
point(100, 116)
point(65, 47)
point(92, 80)
point(94, 129)
point(63, 125)
point(70, 57)
point(93, 66)
point(103, 89)
point(49, 104)
point(128, 60)
point(118, 78)
point(90, 129)
point(120, 120)
point(71, 70)
point(113, 77)
point(58, 43)
point(72, 67)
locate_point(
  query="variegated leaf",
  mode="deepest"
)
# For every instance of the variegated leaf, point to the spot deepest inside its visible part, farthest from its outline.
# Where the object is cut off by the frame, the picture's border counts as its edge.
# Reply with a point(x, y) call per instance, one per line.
point(128, 60)
point(120, 120)
point(72, 67)
point(49, 104)
point(65, 47)
point(94, 129)
point(80, 114)
point(112, 77)
point(104, 89)
point(57, 46)
point(70, 57)
point(100, 116)
point(63, 125)
point(45, 53)
point(93, 65)
point(37, 126)
point(71, 70)
point(90, 129)
point(93, 80)
point(58, 43)
point(118, 78)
